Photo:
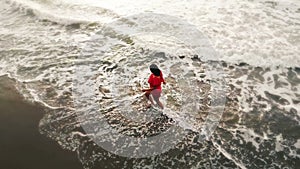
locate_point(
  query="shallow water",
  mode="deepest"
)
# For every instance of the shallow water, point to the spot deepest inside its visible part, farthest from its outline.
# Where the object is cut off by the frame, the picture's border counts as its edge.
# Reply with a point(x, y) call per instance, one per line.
point(75, 58)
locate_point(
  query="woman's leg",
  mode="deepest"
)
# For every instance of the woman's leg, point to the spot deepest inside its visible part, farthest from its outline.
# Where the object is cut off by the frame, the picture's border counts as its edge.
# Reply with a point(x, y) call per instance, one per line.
point(158, 102)
point(156, 95)
point(147, 94)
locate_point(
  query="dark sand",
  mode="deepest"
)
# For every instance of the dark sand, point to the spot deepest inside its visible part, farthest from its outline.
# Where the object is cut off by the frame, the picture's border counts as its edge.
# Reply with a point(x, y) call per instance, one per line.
point(21, 144)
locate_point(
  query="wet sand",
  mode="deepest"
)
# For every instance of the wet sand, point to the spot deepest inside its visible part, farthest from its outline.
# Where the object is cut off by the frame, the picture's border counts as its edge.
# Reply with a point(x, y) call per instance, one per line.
point(21, 144)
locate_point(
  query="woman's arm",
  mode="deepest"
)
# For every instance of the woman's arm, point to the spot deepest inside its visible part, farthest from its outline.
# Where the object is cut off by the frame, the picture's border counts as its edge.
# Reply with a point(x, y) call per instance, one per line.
point(162, 78)
point(146, 90)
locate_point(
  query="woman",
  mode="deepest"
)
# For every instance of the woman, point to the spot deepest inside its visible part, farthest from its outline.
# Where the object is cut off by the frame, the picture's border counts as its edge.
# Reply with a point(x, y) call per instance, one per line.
point(155, 80)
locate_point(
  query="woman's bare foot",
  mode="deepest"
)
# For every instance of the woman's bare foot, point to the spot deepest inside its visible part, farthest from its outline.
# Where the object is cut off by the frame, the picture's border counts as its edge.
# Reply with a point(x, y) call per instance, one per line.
point(148, 106)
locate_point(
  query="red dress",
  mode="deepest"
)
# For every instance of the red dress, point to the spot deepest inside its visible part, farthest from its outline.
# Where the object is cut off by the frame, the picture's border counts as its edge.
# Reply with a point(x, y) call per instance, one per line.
point(155, 82)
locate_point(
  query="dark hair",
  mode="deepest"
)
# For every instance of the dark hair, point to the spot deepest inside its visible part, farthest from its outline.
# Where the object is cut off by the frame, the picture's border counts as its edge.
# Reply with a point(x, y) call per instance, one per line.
point(154, 69)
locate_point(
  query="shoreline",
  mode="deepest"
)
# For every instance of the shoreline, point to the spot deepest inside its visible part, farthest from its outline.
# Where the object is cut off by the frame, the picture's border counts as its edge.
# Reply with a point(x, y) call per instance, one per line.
point(21, 144)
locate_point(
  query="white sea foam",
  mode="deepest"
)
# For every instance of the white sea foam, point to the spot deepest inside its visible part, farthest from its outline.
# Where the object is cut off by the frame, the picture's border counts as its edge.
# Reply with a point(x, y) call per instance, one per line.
point(41, 54)
point(273, 41)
